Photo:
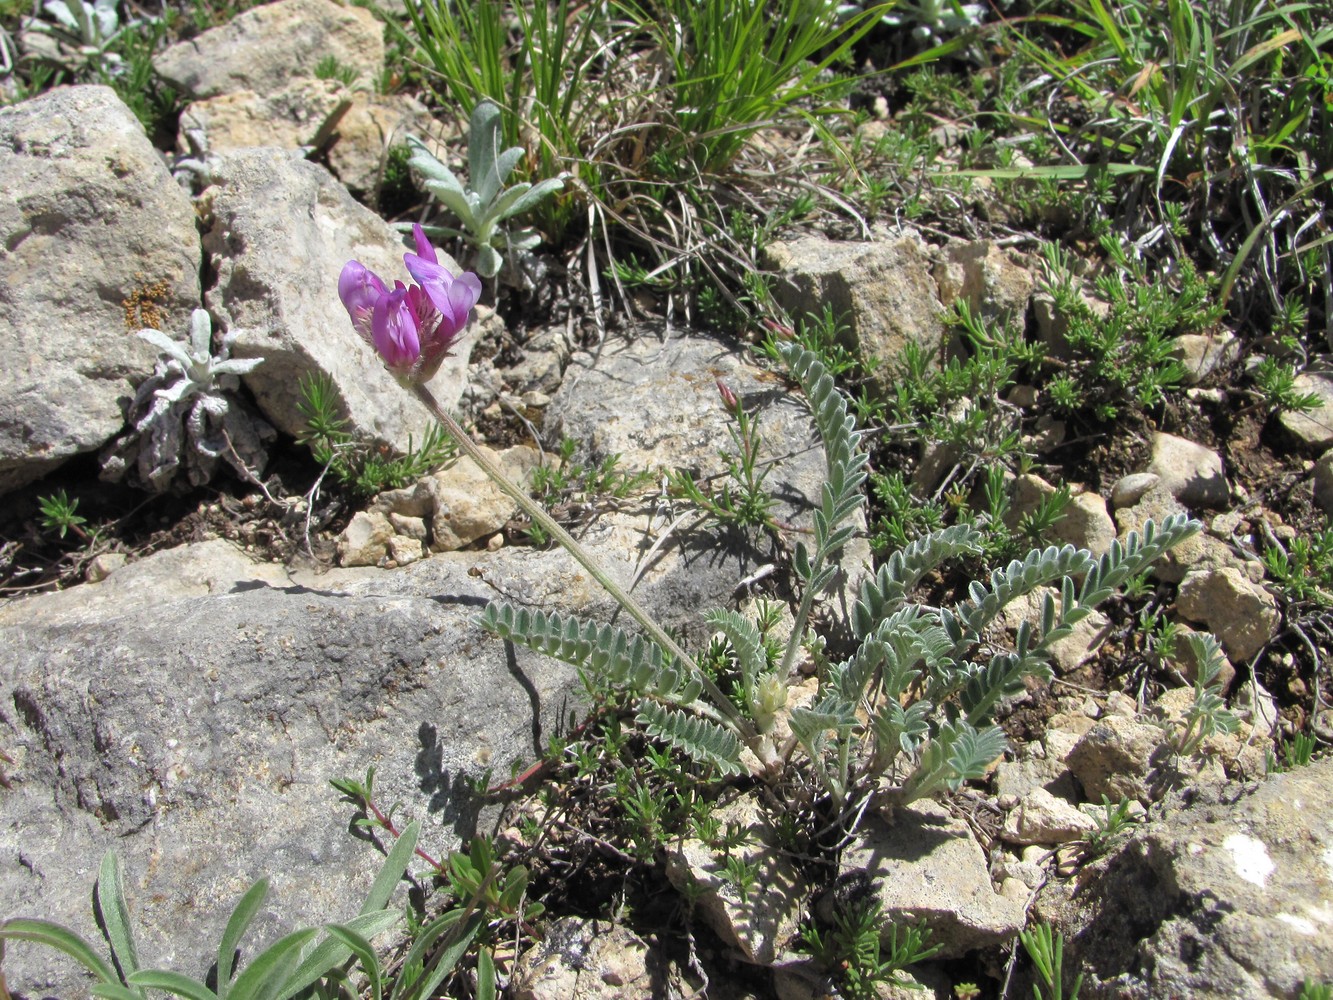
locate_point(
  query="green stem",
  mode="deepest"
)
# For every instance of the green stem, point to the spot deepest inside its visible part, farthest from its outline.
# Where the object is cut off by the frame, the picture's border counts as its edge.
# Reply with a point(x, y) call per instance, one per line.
point(548, 524)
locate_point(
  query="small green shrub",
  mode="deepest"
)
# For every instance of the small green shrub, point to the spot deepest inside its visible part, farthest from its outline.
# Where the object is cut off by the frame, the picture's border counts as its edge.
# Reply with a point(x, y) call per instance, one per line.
point(363, 469)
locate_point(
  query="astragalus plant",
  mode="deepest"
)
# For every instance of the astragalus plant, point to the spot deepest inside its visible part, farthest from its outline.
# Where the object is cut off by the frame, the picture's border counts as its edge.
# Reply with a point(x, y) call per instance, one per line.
point(913, 704)
point(910, 711)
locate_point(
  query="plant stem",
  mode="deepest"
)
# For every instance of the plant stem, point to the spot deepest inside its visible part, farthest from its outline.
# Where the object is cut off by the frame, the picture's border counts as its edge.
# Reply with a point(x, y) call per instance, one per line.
point(548, 524)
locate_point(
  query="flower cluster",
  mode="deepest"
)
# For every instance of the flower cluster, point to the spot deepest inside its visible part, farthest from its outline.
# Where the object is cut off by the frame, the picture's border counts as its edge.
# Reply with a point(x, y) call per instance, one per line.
point(411, 327)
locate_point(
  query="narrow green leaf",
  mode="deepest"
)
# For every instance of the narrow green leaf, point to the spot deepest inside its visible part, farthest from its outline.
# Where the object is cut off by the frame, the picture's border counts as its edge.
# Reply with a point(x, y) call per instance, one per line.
point(332, 952)
point(241, 916)
point(361, 947)
point(116, 915)
point(61, 938)
point(114, 991)
point(394, 866)
point(263, 977)
point(172, 982)
point(485, 975)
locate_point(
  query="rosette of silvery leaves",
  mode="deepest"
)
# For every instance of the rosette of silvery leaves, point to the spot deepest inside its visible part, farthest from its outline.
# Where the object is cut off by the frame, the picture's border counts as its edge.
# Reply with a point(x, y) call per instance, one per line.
point(186, 414)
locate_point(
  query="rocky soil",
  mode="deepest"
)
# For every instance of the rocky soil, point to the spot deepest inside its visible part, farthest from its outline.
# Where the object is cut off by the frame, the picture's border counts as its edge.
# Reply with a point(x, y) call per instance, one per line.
point(185, 671)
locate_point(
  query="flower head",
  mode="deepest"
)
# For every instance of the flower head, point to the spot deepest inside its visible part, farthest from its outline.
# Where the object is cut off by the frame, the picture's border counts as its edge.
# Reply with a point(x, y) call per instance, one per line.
point(411, 327)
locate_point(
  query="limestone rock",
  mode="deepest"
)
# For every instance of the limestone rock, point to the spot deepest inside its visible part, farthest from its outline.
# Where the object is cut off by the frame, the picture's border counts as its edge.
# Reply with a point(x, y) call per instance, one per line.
point(289, 118)
point(263, 48)
point(365, 541)
point(1201, 354)
point(656, 405)
point(460, 502)
point(1226, 897)
point(281, 230)
point(1043, 818)
point(1084, 525)
point(1015, 778)
point(1197, 551)
point(1314, 430)
point(91, 224)
point(1242, 614)
point(1323, 482)
point(371, 127)
point(882, 289)
point(926, 865)
point(1129, 490)
point(585, 960)
point(996, 283)
point(1117, 758)
point(1190, 472)
point(756, 921)
point(1073, 650)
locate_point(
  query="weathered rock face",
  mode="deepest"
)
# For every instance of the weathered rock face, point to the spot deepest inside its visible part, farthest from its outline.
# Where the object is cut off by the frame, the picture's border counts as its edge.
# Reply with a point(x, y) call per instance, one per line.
point(883, 290)
point(926, 866)
point(1313, 429)
point(261, 49)
point(657, 406)
point(89, 218)
point(1226, 898)
point(282, 229)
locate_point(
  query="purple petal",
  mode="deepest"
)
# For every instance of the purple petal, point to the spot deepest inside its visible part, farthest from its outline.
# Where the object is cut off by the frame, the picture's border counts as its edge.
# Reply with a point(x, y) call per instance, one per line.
point(360, 290)
point(462, 295)
point(359, 287)
point(428, 273)
point(424, 248)
point(394, 328)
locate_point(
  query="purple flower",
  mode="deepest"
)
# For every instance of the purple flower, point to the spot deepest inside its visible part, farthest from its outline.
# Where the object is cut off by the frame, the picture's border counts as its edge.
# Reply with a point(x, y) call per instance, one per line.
point(411, 327)
point(453, 297)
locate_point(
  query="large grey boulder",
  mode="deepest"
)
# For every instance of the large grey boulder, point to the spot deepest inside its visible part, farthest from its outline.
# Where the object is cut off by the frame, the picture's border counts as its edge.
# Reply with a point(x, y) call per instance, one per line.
point(262, 49)
point(90, 219)
point(1228, 897)
point(281, 229)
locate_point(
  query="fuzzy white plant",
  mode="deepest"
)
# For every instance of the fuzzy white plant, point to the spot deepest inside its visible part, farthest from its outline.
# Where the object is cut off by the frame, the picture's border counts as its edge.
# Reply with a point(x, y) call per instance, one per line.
point(186, 412)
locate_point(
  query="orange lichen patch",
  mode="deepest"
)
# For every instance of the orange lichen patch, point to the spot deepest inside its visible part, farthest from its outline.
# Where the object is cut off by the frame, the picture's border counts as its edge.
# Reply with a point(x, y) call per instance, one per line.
point(143, 306)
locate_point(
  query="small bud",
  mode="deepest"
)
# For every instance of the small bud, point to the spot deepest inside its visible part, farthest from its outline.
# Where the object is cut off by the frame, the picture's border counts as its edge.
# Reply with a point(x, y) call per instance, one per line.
point(770, 696)
point(780, 330)
point(729, 399)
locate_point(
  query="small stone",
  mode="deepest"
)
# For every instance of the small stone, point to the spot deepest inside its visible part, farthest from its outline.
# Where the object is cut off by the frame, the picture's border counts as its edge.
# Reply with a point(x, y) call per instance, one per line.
point(1190, 472)
point(1043, 818)
point(754, 922)
point(1202, 354)
point(410, 527)
point(365, 540)
point(405, 551)
point(496, 542)
point(1128, 490)
point(104, 565)
point(1323, 483)
point(926, 865)
point(1059, 742)
point(1313, 430)
point(1116, 759)
point(1015, 889)
point(1121, 704)
point(1242, 614)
